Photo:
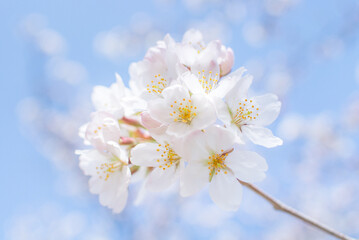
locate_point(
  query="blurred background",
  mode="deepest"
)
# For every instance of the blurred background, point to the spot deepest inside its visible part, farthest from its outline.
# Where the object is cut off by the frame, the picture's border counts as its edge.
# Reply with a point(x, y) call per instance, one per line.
point(53, 52)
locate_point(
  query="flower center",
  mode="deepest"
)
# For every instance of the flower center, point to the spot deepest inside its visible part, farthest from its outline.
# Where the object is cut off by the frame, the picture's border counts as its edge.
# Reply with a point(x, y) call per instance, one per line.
point(168, 157)
point(183, 111)
point(157, 85)
point(246, 112)
point(198, 46)
point(106, 169)
point(216, 163)
point(208, 81)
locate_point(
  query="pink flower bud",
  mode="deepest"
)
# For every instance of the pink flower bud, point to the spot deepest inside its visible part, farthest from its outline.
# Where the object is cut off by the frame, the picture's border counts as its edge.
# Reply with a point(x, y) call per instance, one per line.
point(227, 62)
point(148, 122)
point(126, 140)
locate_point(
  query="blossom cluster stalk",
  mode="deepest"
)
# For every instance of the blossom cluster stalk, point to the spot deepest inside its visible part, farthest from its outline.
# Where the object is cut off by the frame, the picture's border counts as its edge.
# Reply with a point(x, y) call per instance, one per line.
point(278, 205)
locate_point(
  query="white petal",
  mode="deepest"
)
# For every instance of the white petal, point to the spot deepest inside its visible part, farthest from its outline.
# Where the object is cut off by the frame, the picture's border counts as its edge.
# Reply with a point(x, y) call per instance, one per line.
point(269, 108)
point(193, 147)
point(114, 191)
point(219, 138)
point(240, 138)
point(239, 91)
point(247, 166)
point(120, 85)
point(179, 129)
point(206, 113)
point(192, 36)
point(145, 154)
point(160, 111)
point(159, 179)
point(140, 194)
point(261, 136)
point(117, 150)
point(209, 55)
point(82, 133)
point(119, 204)
point(193, 178)
point(228, 83)
point(100, 97)
point(187, 54)
point(223, 112)
point(174, 93)
point(148, 122)
point(227, 62)
point(226, 191)
point(192, 83)
point(89, 160)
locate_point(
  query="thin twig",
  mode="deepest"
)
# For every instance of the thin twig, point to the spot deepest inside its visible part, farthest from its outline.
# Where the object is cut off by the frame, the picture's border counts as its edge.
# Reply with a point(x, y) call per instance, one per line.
point(284, 208)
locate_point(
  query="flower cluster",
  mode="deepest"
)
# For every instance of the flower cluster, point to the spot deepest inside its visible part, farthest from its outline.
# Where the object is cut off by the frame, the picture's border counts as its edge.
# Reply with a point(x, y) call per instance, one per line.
point(183, 119)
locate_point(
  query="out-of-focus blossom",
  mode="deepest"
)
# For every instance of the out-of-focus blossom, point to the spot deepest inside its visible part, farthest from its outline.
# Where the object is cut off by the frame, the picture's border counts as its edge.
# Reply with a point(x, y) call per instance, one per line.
point(47, 40)
point(236, 11)
point(66, 70)
point(351, 114)
point(213, 27)
point(119, 42)
point(279, 7)
point(52, 222)
point(254, 33)
point(279, 82)
point(331, 47)
point(357, 73)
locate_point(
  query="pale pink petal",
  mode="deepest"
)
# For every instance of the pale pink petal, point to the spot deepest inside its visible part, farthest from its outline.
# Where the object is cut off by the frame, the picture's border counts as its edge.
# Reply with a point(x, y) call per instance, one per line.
point(206, 113)
point(146, 154)
point(192, 83)
point(227, 62)
point(247, 166)
point(179, 129)
point(159, 179)
point(174, 93)
point(269, 108)
point(160, 111)
point(219, 138)
point(261, 136)
point(228, 83)
point(148, 122)
point(193, 148)
point(193, 178)
point(226, 191)
point(192, 36)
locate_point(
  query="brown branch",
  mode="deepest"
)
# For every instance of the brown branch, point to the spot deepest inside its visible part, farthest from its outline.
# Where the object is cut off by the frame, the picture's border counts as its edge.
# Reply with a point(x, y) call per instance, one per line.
point(284, 208)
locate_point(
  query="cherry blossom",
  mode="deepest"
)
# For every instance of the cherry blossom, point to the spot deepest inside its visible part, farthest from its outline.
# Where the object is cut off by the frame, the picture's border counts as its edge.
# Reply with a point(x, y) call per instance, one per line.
point(110, 175)
point(164, 160)
point(117, 99)
point(248, 116)
point(181, 112)
point(214, 161)
point(197, 55)
point(157, 71)
point(180, 121)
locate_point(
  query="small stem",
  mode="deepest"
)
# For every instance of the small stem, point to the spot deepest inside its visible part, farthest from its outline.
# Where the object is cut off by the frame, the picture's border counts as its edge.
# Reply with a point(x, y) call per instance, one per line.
point(284, 208)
